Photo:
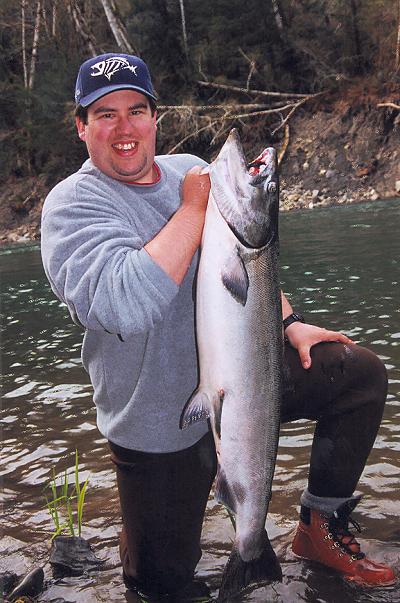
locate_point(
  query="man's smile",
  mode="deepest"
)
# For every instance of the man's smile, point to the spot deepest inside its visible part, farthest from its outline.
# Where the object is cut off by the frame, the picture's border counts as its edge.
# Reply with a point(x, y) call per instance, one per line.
point(124, 146)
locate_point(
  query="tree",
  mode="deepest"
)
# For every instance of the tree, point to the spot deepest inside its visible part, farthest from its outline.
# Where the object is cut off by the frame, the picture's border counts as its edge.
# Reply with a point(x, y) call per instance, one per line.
point(29, 73)
point(397, 54)
point(82, 27)
point(117, 27)
point(184, 33)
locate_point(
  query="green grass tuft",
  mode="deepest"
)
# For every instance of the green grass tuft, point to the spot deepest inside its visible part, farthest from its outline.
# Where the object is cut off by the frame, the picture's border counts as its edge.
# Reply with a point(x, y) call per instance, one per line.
point(66, 502)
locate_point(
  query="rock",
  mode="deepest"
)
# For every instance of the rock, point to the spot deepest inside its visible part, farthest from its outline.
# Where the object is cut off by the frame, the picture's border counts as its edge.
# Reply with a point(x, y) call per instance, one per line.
point(72, 556)
point(306, 165)
point(14, 237)
point(7, 582)
point(397, 186)
point(374, 195)
point(30, 586)
point(310, 205)
point(315, 193)
point(330, 173)
point(315, 162)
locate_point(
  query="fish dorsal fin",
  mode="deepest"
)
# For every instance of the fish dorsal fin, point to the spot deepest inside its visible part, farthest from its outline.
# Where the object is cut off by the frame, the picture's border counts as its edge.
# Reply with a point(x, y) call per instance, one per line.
point(235, 278)
point(197, 409)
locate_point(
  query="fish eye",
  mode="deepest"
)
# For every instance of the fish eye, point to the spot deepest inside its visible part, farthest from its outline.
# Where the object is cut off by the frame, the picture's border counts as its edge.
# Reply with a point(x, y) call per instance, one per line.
point(271, 187)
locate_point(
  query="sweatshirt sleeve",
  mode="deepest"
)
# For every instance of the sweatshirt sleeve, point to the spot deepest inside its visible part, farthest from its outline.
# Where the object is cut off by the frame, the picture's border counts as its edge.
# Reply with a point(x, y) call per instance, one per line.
point(96, 263)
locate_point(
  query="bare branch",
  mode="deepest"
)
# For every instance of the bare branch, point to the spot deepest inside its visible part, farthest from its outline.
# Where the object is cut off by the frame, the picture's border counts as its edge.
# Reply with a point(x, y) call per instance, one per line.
point(200, 70)
point(222, 130)
point(266, 112)
point(252, 68)
point(188, 121)
point(209, 107)
point(245, 91)
point(289, 115)
point(193, 134)
point(162, 116)
point(284, 145)
point(391, 105)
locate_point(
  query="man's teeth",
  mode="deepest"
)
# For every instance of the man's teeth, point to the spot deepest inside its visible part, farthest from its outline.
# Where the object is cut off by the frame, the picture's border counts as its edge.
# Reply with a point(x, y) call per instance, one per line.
point(127, 146)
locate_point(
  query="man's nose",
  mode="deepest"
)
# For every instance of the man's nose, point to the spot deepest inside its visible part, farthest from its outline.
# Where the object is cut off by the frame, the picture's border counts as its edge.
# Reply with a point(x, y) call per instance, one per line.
point(125, 124)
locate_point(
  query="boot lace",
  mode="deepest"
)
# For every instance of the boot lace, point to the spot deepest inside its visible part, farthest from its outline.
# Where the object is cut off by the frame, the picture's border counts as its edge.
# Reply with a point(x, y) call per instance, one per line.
point(339, 527)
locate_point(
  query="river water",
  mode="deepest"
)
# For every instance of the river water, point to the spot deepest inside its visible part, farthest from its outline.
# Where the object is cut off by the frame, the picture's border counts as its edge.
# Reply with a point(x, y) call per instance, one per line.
point(341, 267)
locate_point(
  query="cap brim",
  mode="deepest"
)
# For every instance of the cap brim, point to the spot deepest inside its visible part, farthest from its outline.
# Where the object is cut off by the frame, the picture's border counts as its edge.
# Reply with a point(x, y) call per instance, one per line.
point(94, 96)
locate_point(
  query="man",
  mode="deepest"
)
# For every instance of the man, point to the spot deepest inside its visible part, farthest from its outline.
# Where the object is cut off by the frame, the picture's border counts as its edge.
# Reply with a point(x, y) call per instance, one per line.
point(119, 245)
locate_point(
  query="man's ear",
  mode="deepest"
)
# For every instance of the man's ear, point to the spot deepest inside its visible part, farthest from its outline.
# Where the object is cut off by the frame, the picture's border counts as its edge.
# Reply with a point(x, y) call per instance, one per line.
point(80, 126)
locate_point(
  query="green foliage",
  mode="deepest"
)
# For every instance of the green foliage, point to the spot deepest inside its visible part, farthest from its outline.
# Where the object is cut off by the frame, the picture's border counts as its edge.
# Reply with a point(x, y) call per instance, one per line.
point(64, 497)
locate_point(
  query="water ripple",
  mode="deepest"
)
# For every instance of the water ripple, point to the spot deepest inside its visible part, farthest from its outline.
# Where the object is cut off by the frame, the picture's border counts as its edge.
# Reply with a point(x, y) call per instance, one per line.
point(341, 269)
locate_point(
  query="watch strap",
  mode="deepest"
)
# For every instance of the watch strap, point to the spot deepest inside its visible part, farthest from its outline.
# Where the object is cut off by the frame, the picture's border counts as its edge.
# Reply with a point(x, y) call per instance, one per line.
point(294, 317)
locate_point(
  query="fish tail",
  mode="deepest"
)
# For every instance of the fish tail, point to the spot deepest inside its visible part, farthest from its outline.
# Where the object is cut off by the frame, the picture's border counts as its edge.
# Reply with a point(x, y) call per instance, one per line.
point(238, 574)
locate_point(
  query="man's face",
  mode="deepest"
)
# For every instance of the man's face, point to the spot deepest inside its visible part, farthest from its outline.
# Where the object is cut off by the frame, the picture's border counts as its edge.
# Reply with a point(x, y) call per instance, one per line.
point(120, 136)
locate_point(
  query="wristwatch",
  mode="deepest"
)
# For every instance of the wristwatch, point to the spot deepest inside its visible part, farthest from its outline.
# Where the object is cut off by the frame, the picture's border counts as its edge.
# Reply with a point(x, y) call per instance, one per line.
point(295, 317)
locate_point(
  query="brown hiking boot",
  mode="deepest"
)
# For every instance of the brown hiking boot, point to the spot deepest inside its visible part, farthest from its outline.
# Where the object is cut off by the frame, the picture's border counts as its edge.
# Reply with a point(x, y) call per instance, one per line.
point(327, 539)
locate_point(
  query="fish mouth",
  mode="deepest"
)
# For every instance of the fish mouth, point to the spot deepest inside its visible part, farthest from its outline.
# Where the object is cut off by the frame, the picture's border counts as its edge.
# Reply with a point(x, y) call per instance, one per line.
point(247, 195)
point(263, 168)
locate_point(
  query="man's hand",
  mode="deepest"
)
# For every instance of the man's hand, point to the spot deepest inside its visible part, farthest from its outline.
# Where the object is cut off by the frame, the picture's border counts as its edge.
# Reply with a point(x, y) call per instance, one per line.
point(302, 337)
point(195, 189)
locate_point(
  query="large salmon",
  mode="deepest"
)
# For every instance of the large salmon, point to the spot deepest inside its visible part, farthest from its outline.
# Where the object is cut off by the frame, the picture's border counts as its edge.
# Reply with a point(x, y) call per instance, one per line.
point(239, 337)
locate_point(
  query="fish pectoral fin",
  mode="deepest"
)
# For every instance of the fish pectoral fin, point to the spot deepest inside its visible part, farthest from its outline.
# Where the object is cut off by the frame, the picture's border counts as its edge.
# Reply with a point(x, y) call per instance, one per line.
point(197, 409)
point(223, 493)
point(235, 278)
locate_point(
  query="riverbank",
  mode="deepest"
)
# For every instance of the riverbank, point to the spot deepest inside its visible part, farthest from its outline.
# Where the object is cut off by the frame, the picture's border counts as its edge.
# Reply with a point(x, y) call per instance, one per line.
point(344, 150)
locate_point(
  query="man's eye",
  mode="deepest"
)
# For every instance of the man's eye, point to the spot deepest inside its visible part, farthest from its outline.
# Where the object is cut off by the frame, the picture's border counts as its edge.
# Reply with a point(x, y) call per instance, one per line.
point(107, 115)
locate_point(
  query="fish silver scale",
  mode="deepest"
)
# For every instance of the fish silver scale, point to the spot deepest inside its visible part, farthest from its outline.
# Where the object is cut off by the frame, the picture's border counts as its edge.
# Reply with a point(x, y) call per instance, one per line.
point(240, 351)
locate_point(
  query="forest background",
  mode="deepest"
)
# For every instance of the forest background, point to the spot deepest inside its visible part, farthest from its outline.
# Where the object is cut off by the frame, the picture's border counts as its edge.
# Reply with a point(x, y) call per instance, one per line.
point(319, 79)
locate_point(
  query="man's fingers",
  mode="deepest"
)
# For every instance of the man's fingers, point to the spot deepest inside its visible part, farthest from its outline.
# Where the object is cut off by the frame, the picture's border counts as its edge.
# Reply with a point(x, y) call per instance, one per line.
point(305, 357)
point(335, 336)
point(345, 339)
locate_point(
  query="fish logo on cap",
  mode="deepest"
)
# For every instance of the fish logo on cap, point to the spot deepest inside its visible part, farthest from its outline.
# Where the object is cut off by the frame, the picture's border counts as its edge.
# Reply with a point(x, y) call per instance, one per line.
point(110, 66)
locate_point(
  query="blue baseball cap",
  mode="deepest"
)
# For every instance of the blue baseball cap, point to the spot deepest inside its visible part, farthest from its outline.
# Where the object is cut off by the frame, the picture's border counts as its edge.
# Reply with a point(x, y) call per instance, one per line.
point(109, 72)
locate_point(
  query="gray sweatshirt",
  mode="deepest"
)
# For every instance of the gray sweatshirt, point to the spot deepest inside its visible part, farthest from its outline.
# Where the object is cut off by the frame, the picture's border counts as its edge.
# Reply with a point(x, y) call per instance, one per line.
point(139, 344)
